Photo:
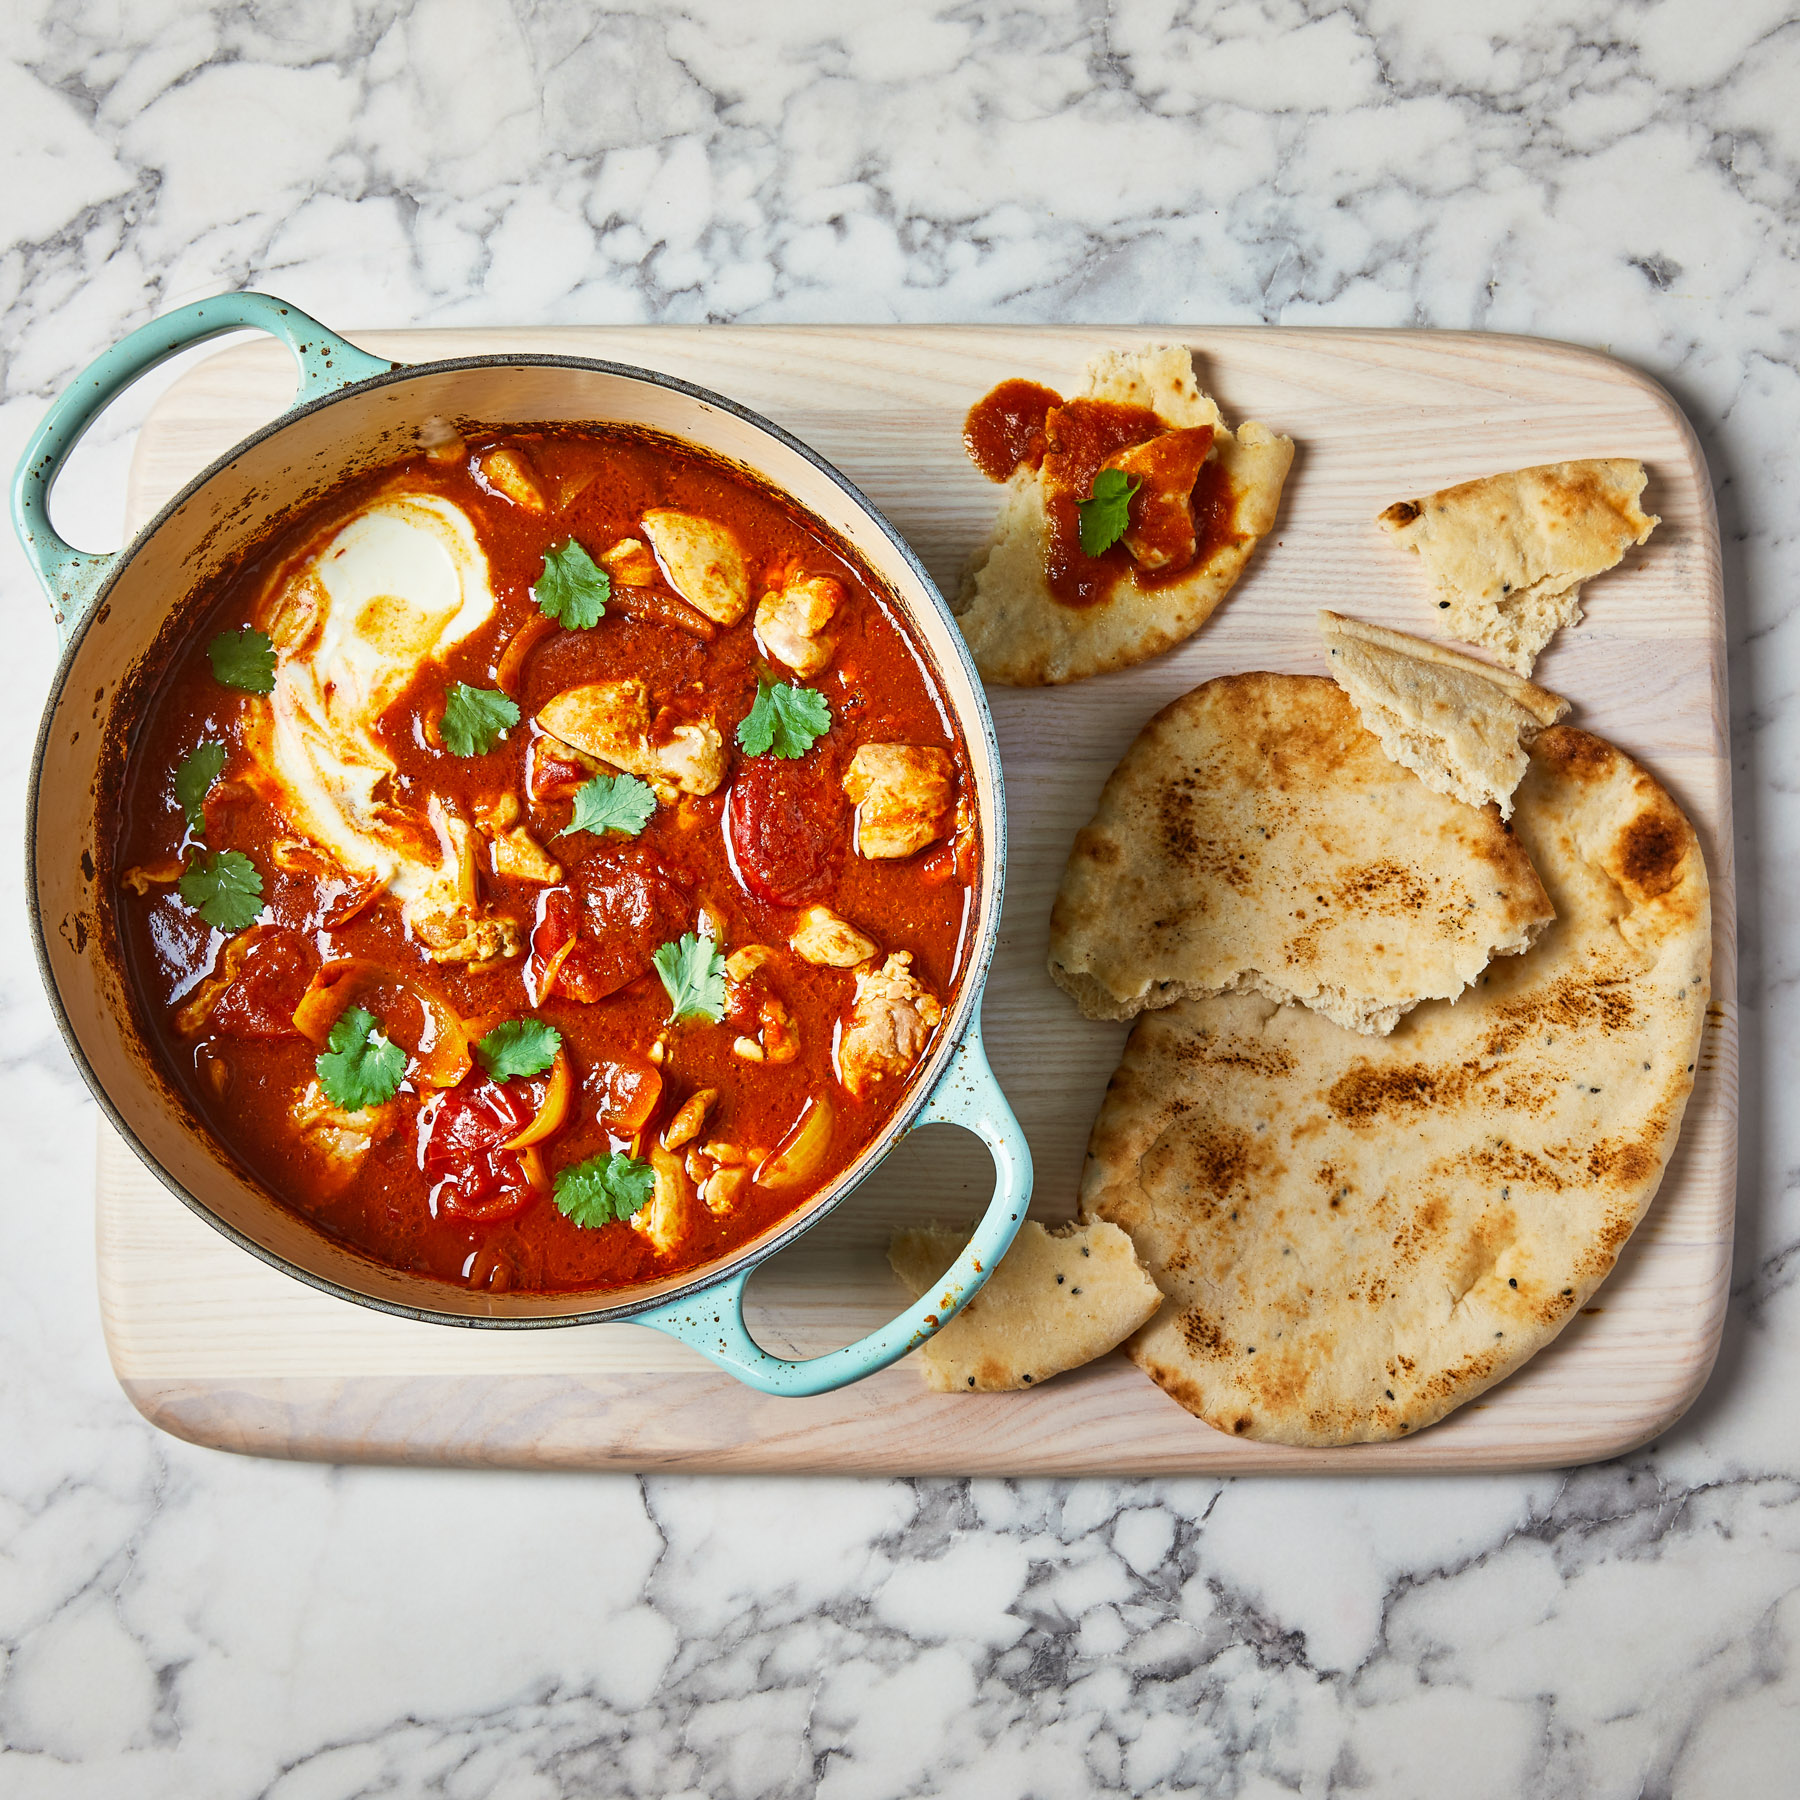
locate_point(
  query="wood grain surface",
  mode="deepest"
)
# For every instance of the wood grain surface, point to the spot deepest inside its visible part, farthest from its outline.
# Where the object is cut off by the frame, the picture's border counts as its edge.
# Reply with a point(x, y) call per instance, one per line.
point(217, 1348)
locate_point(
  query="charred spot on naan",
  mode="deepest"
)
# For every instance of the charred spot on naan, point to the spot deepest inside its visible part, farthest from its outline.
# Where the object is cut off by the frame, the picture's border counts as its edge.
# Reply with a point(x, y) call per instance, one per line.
point(1202, 1335)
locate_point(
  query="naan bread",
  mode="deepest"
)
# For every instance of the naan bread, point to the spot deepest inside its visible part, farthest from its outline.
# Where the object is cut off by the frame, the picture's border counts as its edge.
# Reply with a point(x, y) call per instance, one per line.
point(1022, 636)
point(1058, 1299)
point(1508, 553)
point(1358, 1236)
point(1255, 838)
point(1462, 726)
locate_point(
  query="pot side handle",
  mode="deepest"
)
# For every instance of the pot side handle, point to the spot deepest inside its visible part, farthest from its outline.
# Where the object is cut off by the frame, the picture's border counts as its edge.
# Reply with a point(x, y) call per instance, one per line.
point(71, 578)
point(712, 1321)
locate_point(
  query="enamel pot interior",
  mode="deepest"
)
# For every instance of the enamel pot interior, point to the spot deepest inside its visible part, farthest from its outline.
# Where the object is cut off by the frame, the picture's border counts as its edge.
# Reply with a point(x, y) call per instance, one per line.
point(200, 532)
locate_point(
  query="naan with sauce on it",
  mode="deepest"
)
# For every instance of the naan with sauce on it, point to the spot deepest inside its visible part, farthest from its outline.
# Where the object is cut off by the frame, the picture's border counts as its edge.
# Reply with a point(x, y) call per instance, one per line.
point(1129, 513)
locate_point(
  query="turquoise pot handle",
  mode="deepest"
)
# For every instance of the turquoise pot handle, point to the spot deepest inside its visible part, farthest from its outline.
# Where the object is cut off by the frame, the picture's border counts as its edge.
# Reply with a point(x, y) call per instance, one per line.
point(712, 1321)
point(73, 578)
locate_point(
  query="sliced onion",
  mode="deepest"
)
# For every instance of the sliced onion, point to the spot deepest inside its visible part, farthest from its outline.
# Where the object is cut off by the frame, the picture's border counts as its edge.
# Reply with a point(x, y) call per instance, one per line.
point(211, 991)
point(441, 1056)
point(651, 607)
point(519, 646)
point(550, 949)
point(553, 1108)
point(798, 1156)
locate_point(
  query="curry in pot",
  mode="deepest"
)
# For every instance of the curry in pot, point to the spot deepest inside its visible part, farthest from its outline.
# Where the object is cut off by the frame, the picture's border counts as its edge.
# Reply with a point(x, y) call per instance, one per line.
point(548, 861)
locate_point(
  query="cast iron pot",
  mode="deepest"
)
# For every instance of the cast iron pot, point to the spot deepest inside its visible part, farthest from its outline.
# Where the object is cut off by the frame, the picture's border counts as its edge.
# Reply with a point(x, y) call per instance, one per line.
point(353, 411)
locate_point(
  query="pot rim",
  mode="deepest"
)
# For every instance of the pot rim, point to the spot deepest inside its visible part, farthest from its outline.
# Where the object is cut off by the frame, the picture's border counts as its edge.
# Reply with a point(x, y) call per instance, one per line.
point(740, 1263)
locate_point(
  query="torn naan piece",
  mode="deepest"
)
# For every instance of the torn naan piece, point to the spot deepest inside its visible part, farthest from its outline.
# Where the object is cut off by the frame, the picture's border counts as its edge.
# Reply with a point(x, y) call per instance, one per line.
point(1508, 553)
point(1256, 838)
point(1463, 727)
point(1035, 606)
point(1057, 1299)
point(1358, 1235)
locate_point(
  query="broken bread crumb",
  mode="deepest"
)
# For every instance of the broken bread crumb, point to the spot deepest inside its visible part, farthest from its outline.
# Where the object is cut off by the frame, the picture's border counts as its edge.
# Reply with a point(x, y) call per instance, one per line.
point(1463, 727)
point(1057, 1299)
point(1508, 553)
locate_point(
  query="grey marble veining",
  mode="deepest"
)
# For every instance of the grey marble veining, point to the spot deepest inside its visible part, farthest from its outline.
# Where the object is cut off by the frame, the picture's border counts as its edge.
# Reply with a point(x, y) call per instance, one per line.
point(176, 1623)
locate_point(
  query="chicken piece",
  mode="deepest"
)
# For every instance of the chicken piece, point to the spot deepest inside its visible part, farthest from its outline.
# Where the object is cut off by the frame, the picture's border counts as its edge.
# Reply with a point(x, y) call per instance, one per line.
point(1161, 533)
point(340, 1140)
point(507, 472)
point(556, 771)
point(441, 441)
point(701, 561)
point(498, 811)
point(724, 1188)
point(610, 721)
point(630, 563)
point(891, 1020)
point(447, 917)
point(689, 1120)
point(823, 938)
point(692, 760)
point(670, 1216)
point(902, 794)
point(791, 623)
point(518, 856)
point(512, 850)
point(747, 998)
point(748, 961)
point(456, 936)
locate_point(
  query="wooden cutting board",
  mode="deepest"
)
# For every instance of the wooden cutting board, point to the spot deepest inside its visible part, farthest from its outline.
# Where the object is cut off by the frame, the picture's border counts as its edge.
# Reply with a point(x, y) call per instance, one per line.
point(217, 1348)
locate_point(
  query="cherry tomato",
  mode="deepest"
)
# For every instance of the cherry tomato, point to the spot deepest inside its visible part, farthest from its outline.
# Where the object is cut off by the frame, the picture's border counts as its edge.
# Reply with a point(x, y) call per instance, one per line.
point(788, 827)
point(475, 1178)
point(631, 905)
point(260, 1002)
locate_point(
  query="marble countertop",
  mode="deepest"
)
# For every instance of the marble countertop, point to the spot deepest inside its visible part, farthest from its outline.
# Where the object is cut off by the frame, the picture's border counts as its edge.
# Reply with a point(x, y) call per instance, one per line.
point(175, 1622)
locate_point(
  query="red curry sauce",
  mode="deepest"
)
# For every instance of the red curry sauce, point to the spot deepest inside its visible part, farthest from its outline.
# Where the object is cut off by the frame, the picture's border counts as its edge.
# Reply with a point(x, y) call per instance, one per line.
point(435, 1192)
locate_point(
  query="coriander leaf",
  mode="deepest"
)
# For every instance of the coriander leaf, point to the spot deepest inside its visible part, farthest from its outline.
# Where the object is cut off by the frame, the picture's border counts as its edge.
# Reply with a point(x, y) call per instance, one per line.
point(473, 718)
point(573, 588)
point(244, 659)
point(198, 771)
point(612, 803)
point(224, 889)
point(1105, 512)
point(784, 718)
point(358, 1066)
point(693, 971)
point(519, 1047)
point(603, 1190)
